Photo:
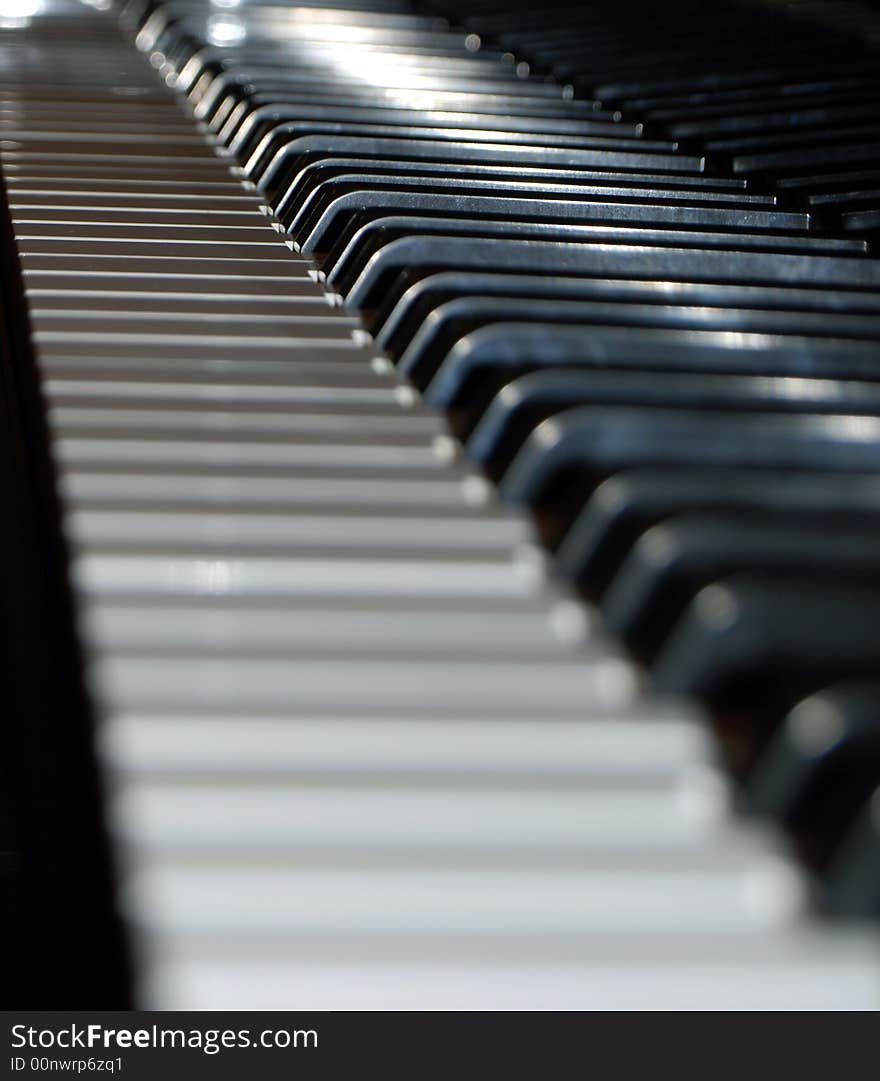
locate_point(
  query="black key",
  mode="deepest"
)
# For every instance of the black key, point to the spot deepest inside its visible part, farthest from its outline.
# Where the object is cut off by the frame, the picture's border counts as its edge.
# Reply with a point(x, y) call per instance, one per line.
point(584, 445)
point(395, 323)
point(629, 503)
point(799, 337)
point(367, 275)
point(821, 766)
point(351, 206)
point(511, 348)
point(519, 406)
point(760, 645)
point(316, 197)
point(296, 153)
point(681, 187)
point(852, 883)
point(274, 149)
point(673, 561)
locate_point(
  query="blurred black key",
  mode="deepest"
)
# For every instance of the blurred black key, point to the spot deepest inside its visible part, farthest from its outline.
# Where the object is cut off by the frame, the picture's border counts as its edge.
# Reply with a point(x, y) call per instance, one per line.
point(520, 405)
point(755, 643)
point(852, 883)
point(821, 766)
point(567, 456)
point(629, 503)
point(673, 561)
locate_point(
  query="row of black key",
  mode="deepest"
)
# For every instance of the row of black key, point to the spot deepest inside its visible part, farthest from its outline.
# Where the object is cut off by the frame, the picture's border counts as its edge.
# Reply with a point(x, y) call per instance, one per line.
point(676, 372)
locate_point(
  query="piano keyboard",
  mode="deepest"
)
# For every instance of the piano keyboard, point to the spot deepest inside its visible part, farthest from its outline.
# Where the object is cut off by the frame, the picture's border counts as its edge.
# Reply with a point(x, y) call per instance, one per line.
point(306, 283)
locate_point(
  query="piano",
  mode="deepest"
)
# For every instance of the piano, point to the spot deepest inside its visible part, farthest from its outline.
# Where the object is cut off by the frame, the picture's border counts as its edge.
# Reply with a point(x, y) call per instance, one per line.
point(442, 452)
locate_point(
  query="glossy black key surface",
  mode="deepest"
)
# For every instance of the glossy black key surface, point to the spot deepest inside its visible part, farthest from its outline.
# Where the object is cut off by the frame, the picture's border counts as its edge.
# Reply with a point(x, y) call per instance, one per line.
point(578, 448)
point(799, 343)
point(718, 209)
point(852, 881)
point(317, 184)
point(275, 147)
point(365, 272)
point(368, 231)
point(388, 146)
point(271, 123)
point(821, 767)
point(513, 408)
point(757, 644)
point(627, 504)
point(678, 187)
point(273, 101)
point(505, 349)
point(673, 561)
point(396, 322)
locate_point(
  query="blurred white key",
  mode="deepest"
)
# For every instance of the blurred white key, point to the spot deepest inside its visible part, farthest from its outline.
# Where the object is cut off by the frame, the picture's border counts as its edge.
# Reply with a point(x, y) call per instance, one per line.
point(733, 893)
point(512, 821)
point(644, 741)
